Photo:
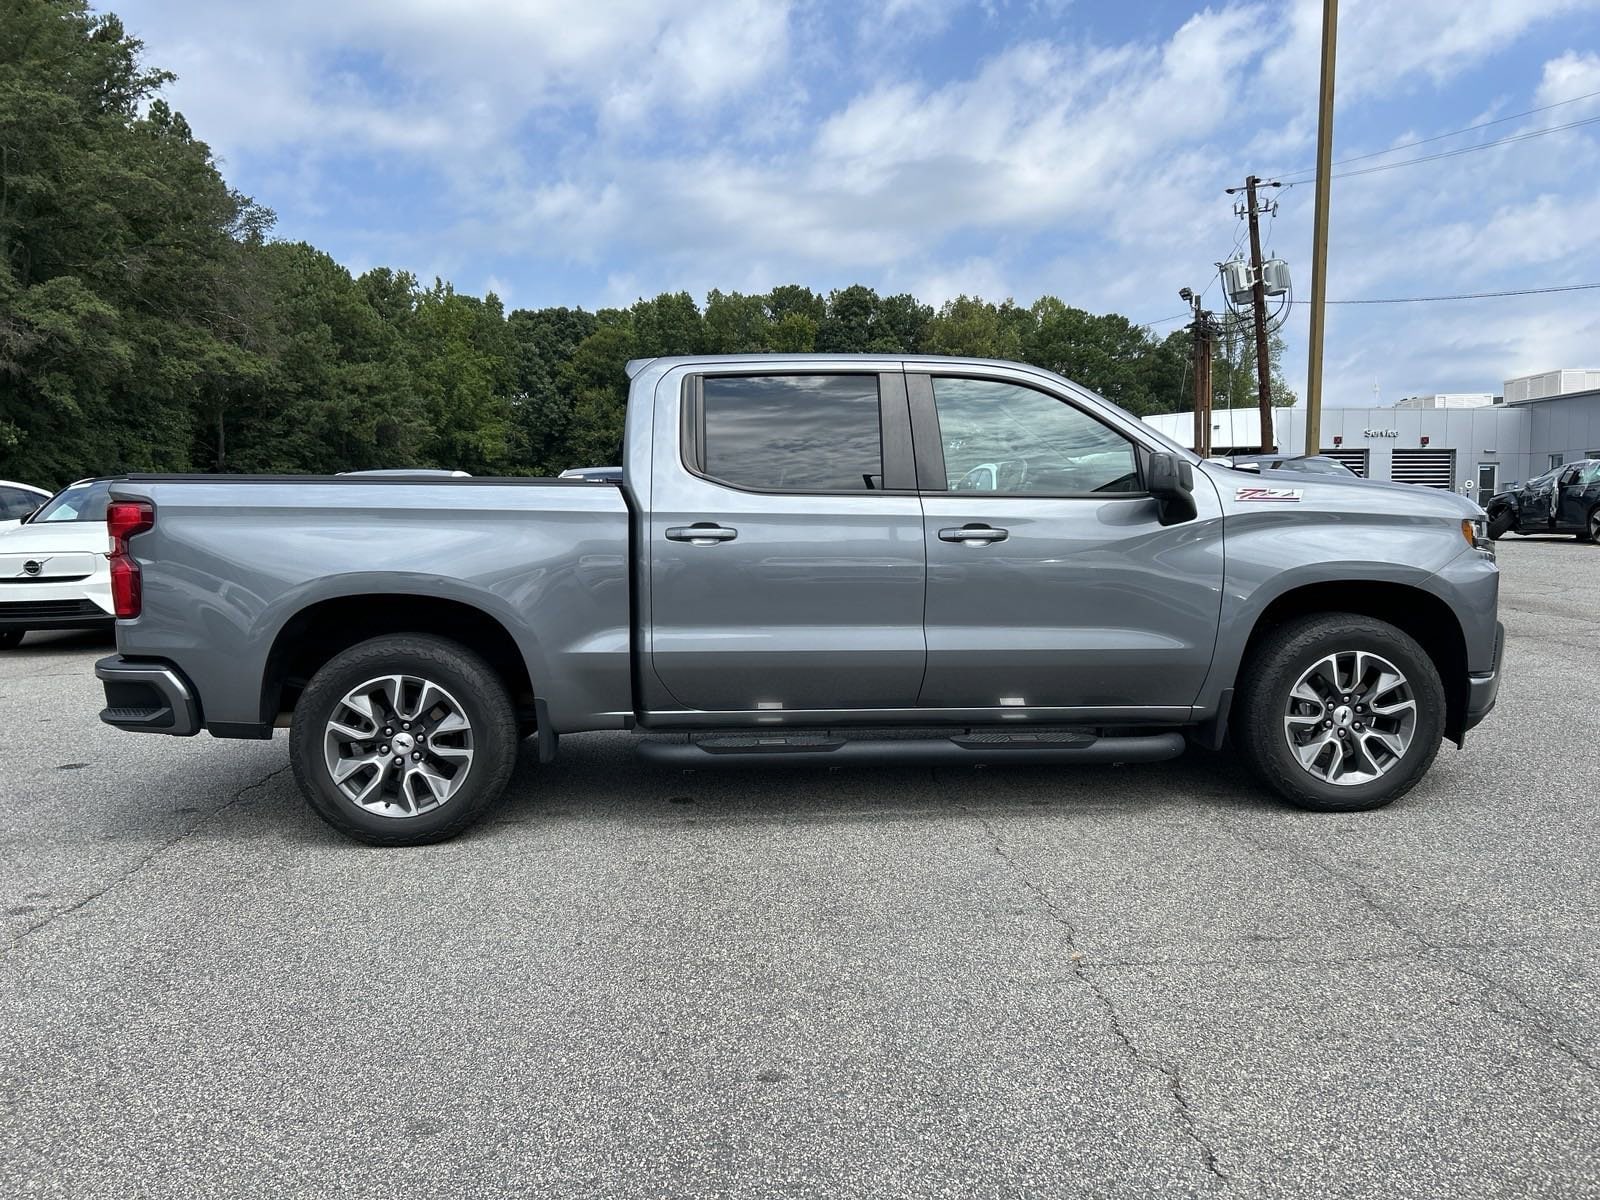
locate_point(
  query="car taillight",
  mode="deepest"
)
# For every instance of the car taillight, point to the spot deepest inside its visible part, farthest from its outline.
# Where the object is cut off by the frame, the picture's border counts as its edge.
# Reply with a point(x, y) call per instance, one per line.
point(124, 518)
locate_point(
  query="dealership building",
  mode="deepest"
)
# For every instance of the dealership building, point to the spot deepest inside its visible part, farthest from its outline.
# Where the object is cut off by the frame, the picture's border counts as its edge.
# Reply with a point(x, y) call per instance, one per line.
point(1473, 443)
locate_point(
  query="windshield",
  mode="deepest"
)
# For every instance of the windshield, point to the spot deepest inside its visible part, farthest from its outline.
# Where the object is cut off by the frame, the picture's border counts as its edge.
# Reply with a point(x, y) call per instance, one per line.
point(1319, 466)
point(80, 502)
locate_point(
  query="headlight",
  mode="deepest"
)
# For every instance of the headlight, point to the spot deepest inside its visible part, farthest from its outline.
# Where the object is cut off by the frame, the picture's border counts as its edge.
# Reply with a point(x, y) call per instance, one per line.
point(1476, 532)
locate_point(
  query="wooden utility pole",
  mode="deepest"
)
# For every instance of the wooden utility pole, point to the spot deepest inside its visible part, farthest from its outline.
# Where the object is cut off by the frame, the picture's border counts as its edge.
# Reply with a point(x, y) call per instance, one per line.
point(1258, 294)
point(1200, 331)
point(1319, 236)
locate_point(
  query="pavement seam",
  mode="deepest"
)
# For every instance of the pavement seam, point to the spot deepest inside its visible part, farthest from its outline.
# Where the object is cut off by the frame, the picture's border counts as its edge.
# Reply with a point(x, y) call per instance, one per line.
point(156, 852)
point(1526, 1013)
point(1182, 1106)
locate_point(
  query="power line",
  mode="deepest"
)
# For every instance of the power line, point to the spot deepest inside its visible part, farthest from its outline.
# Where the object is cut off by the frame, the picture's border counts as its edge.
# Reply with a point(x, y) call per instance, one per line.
point(1407, 162)
point(1539, 291)
point(1439, 137)
point(1183, 316)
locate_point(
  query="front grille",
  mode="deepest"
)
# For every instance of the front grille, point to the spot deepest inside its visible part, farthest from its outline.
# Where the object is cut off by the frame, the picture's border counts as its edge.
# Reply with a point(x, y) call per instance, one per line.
point(51, 608)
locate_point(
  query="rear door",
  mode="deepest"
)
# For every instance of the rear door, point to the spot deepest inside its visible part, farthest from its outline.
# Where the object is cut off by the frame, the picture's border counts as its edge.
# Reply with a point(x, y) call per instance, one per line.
point(785, 544)
point(1051, 583)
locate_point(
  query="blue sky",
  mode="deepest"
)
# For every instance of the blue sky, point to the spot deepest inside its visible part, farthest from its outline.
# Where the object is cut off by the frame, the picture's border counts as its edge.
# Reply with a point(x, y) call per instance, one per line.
point(593, 152)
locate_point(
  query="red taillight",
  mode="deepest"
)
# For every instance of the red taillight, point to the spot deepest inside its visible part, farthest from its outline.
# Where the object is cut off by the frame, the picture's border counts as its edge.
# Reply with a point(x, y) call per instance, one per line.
point(124, 518)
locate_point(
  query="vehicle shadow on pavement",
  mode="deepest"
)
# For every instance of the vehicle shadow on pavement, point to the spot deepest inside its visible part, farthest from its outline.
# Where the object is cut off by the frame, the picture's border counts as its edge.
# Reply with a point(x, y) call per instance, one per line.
point(60, 643)
point(598, 778)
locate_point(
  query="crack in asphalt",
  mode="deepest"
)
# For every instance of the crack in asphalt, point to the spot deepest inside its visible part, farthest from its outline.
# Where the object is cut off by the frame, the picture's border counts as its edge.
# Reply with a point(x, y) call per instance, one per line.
point(1082, 972)
point(155, 853)
point(1526, 1013)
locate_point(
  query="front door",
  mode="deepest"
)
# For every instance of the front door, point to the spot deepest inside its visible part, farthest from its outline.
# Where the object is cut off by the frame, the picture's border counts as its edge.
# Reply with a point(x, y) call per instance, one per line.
point(1577, 496)
point(1051, 583)
point(785, 545)
point(1488, 481)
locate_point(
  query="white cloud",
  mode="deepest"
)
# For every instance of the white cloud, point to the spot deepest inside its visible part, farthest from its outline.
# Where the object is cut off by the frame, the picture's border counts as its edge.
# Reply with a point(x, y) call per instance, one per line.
point(448, 75)
point(1568, 77)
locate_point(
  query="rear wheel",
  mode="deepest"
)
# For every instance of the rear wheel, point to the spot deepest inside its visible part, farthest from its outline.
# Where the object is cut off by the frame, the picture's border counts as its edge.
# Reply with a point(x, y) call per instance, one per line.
point(1340, 712)
point(1500, 523)
point(403, 740)
point(10, 639)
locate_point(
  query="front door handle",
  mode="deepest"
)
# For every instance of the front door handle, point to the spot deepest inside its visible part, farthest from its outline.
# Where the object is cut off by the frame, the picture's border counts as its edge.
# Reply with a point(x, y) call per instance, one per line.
point(974, 533)
point(703, 534)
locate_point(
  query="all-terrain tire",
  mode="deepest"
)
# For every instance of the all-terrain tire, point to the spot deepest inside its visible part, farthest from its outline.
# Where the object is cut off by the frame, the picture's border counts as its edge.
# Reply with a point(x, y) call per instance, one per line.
point(1277, 663)
point(470, 683)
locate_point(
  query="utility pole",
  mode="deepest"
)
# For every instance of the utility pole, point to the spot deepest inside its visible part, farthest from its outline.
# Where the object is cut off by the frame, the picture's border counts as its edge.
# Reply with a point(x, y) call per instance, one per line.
point(1259, 300)
point(1258, 297)
point(1319, 236)
point(1200, 348)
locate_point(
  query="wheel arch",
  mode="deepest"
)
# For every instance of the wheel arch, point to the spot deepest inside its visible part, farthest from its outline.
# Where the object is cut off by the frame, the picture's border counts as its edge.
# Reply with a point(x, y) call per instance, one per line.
point(1413, 610)
point(317, 632)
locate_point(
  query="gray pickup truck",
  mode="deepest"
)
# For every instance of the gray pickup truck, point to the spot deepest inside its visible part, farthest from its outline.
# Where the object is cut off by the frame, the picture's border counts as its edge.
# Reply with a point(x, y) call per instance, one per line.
point(814, 559)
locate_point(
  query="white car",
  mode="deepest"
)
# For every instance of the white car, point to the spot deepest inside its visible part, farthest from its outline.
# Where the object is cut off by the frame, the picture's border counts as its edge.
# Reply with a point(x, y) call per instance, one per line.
point(54, 573)
point(17, 500)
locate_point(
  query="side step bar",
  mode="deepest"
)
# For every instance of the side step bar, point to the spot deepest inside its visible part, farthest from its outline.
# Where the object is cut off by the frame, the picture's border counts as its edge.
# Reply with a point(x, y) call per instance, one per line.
point(968, 749)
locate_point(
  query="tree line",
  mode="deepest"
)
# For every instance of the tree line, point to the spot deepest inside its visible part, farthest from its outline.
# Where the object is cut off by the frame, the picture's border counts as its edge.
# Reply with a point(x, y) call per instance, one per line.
point(149, 322)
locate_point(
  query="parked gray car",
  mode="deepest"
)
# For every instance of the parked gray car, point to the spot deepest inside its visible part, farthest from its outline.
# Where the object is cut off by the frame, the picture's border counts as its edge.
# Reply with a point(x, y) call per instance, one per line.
point(817, 559)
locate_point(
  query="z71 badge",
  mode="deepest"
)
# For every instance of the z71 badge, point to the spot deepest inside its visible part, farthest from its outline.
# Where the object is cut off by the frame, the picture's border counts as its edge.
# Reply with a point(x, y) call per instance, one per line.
point(1269, 495)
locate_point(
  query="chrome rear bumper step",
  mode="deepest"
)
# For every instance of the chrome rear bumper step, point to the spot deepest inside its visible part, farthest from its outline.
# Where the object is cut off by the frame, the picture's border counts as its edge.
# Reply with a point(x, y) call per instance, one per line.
point(967, 748)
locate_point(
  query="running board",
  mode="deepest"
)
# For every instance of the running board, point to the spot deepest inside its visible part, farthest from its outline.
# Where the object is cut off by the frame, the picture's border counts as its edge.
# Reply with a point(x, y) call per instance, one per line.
point(971, 748)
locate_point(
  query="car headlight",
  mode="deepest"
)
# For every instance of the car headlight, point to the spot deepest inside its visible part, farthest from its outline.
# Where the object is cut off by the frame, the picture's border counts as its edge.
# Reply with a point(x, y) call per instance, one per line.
point(1476, 532)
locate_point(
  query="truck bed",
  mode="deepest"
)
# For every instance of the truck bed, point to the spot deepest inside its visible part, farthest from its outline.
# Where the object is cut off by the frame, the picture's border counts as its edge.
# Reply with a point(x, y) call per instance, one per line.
point(232, 560)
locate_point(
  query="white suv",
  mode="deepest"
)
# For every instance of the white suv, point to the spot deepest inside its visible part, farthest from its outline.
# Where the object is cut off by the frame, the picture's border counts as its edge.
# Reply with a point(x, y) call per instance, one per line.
point(54, 573)
point(17, 500)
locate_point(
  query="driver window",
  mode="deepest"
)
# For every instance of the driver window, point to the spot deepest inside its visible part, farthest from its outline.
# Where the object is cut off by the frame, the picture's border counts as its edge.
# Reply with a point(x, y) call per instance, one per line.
point(1000, 437)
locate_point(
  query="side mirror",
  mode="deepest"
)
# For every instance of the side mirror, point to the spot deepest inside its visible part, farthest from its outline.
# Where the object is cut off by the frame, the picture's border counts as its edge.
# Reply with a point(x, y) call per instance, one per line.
point(1171, 481)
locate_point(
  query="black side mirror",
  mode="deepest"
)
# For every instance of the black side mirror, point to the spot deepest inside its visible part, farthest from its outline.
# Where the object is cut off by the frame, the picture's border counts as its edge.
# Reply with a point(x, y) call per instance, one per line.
point(1171, 481)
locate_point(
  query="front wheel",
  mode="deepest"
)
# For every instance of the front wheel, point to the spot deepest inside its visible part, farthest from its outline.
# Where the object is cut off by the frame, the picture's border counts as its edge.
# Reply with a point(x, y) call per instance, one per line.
point(1500, 524)
point(403, 740)
point(1340, 712)
point(10, 639)
point(1591, 532)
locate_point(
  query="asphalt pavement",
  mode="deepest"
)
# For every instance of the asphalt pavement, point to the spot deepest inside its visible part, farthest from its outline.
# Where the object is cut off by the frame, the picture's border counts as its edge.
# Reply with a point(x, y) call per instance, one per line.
point(632, 982)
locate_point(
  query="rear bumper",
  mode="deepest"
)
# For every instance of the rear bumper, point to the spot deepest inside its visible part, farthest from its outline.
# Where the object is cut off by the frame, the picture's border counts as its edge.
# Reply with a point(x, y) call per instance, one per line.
point(147, 696)
point(1483, 688)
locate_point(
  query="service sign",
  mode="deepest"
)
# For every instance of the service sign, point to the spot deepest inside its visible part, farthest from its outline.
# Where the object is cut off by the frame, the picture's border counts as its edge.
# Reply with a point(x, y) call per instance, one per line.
point(1269, 495)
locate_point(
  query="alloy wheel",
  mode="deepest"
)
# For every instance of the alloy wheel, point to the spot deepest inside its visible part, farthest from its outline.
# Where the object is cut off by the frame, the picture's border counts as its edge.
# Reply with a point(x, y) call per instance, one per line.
point(398, 745)
point(1350, 718)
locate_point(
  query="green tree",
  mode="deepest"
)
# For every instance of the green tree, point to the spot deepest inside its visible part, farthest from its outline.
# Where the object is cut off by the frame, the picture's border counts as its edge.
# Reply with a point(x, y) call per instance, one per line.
point(736, 324)
point(542, 407)
point(125, 335)
point(974, 328)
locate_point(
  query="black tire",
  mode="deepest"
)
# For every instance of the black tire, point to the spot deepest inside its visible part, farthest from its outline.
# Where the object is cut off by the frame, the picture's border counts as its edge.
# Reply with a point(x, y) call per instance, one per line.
point(1591, 527)
point(10, 639)
point(1276, 664)
point(474, 686)
point(1500, 524)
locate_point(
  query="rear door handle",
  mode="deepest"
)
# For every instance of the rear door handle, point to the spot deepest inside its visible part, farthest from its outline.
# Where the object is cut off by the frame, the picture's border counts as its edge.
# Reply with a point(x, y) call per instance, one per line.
point(704, 534)
point(974, 533)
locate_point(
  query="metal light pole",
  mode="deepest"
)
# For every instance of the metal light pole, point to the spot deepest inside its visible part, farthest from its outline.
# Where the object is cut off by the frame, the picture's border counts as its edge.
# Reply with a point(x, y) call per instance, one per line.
point(1319, 237)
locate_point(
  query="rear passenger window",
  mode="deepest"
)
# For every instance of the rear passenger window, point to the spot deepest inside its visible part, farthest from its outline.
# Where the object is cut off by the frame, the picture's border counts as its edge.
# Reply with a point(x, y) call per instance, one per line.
point(778, 433)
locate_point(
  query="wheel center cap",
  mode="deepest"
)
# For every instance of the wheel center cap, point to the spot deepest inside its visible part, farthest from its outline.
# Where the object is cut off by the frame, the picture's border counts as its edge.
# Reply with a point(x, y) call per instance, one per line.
point(403, 743)
point(1343, 715)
